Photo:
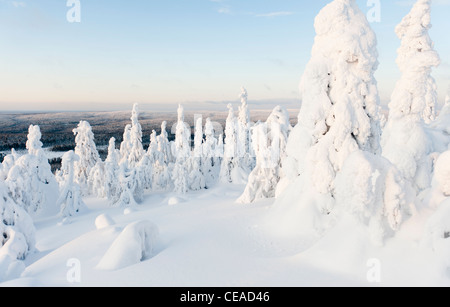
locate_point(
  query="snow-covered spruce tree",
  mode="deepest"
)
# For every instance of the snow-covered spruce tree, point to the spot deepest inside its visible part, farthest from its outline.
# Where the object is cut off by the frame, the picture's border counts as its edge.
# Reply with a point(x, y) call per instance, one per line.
point(198, 138)
point(151, 161)
point(230, 151)
point(210, 161)
point(339, 118)
point(244, 146)
point(415, 93)
point(196, 176)
point(220, 149)
point(136, 150)
point(30, 180)
point(125, 146)
point(86, 150)
point(232, 171)
point(113, 153)
point(34, 144)
point(405, 141)
point(163, 161)
point(152, 150)
point(182, 137)
point(180, 177)
point(371, 189)
point(70, 198)
point(164, 145)
point(34, 147)
point(261, 179)
point(145, 172)
point(269, 140)
point(16, 227)
point(112, 187)
point(96, 180)
point(8, 162)
point(129, 186)
point(161, 180)
point(180, 173)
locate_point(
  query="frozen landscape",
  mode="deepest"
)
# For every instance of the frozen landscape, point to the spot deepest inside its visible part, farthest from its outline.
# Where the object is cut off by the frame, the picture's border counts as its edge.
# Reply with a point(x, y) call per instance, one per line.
point(347, 194)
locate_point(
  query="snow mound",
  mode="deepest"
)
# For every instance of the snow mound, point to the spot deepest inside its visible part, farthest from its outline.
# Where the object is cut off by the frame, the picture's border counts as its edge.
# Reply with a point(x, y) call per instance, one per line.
point(16, 247)
point(128, 211)
point(10, 268)
point(135, 244)
point(173, 201)
point(103, 221)
point(65, 221)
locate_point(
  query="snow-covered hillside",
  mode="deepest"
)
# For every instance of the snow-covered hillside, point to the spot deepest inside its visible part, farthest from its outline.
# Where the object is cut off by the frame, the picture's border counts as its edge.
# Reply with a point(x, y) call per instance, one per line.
point(206, 239)
point(346, 197)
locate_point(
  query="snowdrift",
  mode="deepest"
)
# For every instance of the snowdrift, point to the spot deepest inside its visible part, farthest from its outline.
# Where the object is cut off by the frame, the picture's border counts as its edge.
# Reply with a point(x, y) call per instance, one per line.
point(136, 243)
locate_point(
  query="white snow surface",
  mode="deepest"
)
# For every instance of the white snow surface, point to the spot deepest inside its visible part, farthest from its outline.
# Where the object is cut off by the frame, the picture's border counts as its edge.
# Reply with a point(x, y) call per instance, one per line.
point(209, 240)
point(103, 221)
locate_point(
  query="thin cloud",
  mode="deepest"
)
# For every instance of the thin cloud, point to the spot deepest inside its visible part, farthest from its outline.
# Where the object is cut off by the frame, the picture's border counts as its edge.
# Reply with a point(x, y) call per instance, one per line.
point(18, 4)
point(275, 14)
point(224, 10)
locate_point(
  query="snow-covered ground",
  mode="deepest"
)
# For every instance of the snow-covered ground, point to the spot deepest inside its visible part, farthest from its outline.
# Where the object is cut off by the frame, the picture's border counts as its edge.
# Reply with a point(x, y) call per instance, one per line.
point(207, 239)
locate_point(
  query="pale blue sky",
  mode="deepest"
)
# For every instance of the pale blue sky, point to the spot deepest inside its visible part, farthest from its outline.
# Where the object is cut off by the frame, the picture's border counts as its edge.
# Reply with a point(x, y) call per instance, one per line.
point(176, 51)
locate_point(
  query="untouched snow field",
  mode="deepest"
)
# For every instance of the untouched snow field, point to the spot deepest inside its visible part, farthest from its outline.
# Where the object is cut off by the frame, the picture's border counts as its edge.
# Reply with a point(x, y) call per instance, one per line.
point(207, 239)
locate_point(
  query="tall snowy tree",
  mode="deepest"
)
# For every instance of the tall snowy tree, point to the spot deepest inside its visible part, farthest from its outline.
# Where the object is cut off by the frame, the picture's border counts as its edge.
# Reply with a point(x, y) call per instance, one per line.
point(145, 172)
point(198, 138)
point(34, 146)
point(136, 150)
point(182, 136)
point(126, 145)
point(340, 115)
point(269, 140)
point(30, 180)
point(210, 161)
point(70, 198)
point(164, 162)
point(405, 141)
point(229, 154)
point(86, 150)
point(196, 176)
point(164, 145)
point(111, 172)
point(220, 149)
point(180, 173)
point(127, 186)
point(180, 177)
point(152, 150)
point(8, 162)
point(113, 153)
point(17, 232)
point(96, 180)
point(244, 147)
point(232, 171)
